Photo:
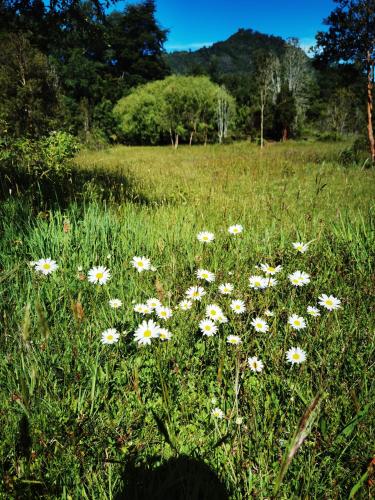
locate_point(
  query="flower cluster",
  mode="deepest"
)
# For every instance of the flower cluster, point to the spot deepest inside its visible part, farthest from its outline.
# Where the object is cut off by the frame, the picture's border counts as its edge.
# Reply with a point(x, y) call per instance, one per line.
point(215, 315)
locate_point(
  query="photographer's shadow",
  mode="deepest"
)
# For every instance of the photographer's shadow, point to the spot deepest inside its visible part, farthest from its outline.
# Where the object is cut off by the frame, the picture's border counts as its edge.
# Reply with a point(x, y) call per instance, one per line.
point(181, 478)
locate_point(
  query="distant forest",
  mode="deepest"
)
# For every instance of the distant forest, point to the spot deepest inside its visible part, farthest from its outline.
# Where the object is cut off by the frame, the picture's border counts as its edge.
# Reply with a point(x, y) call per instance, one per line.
point(73, 67)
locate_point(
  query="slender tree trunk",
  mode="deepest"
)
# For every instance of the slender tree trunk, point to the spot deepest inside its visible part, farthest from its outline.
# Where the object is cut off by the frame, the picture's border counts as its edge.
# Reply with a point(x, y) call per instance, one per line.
point(261, 125)
point(171, 136)
point(176, 141)
point(191, 138)
point(285, 134)
point(370, 131)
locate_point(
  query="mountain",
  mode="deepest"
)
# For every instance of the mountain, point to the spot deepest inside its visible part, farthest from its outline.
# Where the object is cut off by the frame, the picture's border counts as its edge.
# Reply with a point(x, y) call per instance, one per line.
point(235, 55)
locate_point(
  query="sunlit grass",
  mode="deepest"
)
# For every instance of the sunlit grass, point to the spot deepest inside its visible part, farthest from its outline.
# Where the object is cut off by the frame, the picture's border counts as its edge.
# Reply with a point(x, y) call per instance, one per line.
point(91, 408)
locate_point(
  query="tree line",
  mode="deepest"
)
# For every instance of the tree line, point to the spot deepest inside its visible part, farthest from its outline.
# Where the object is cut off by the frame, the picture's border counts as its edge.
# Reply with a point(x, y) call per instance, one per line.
point(102, 75)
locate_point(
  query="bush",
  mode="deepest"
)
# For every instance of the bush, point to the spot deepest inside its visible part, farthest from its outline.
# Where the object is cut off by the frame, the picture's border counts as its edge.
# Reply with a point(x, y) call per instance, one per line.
point(356, 154)
point(26, 163)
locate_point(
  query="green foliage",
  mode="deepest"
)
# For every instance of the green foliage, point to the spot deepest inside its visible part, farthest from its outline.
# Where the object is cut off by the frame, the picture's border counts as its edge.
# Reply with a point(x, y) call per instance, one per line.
point(62, 64)
point(174, 108)
point(30, 161)
point(29, 102)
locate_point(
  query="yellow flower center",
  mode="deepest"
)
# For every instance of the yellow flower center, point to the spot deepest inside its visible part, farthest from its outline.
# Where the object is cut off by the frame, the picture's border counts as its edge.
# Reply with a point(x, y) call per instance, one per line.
point(163, 313)
point(147, 333)
point(205, 238)
point(109, 337)
point(255, 365)
point(46, 265)
point(213, 312)
point(296, 281)
point(205, 275)
point(329, 302)
point(257, 283)
point(296, 356)
point(271, 269)
point(99, 276)
point(297, 322)
point(195, 294)
point(259, 325)
point(140, 264)
point(163, 336)
point(238, 307)
point(207, 328)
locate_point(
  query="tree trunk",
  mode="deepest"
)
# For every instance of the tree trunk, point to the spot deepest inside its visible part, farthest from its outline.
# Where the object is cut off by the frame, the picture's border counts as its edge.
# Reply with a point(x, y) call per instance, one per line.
point(370, 132)
point(171, 136)
point(285, 134)
point(176, 141)
point(261, 125)
point(191, 138)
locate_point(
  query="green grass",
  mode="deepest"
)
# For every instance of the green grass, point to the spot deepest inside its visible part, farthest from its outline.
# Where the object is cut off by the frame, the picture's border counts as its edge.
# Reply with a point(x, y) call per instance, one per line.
point(75, 413)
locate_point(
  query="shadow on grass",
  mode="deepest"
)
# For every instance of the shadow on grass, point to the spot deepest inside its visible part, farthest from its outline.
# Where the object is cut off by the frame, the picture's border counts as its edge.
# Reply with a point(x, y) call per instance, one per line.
point(59, 190)
point(181, 478)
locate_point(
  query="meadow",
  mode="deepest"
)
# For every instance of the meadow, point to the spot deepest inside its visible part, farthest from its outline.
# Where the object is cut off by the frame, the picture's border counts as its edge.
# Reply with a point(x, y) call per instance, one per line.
point(80, 418)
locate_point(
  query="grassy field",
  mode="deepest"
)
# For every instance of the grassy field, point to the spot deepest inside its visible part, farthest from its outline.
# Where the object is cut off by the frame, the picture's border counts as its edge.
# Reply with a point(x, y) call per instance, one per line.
point(81, 419)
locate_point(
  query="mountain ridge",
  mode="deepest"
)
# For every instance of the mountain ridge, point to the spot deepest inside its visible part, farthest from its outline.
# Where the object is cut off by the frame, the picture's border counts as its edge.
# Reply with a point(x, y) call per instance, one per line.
point(236, 54)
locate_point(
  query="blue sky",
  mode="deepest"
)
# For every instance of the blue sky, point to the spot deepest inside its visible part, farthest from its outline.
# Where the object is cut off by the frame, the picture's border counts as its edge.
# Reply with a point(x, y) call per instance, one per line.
point(194, 23)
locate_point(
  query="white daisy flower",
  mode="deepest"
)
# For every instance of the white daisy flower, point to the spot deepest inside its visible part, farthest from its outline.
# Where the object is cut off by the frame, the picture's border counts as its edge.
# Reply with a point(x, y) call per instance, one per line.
point(236, 229)
point(99, 275)
point(153, 303)
point(271, 282)
point(226, 288)
point(257, 282)
point(164, 334)
point(163, 312)
point(217, 413)
point(208, 327)
point(115, 303)
point(45, 266)
point(300, 247)
point(238, 306)
point(266, 268)
point(205, 237)
point(260, 325)
point(195, 292)
point(269, 313)
point(213, 311)
point(297, 322)
point(185, 305)
point(313, 311)
point(299, 278)
point(141, 264)
point(234, 339)
point(146, 331)
point(110, 336)
point(203, 274)
point(142, 309)
point(255, 364)
point(222, 319)
point(329, 302)
point(295, 355)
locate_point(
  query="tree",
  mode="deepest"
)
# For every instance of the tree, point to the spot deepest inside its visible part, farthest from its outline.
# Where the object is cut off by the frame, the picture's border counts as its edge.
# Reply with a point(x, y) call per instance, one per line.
point(224, 111)
point(268, 80)
point(351, 37)
point(297, 76)
point(136, 41)
point(29, 89)
point(285, 112)
point(178, 108)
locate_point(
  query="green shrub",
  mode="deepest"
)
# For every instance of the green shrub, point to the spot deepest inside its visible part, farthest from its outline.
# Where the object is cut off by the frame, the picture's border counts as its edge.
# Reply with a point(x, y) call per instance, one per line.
point(27, 164)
